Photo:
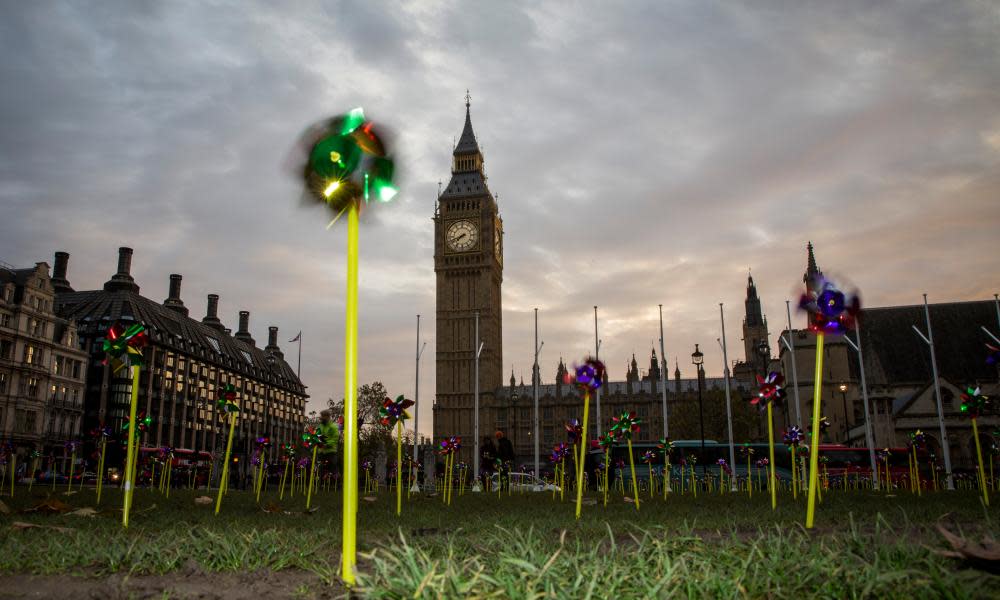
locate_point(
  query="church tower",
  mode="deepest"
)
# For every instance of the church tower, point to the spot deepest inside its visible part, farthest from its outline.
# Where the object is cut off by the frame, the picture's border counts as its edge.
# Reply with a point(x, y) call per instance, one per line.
point(468, 264)
point(755, 344)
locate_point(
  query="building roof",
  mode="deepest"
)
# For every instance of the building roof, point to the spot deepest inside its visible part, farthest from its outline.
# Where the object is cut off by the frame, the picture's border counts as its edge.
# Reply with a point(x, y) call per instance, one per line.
point(895, 353)
point(467, 183)
point(99, 309)
point(467, 144)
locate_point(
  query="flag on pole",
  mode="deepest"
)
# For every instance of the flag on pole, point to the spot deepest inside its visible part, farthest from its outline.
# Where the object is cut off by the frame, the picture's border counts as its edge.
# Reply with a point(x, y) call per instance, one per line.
point(296, 338)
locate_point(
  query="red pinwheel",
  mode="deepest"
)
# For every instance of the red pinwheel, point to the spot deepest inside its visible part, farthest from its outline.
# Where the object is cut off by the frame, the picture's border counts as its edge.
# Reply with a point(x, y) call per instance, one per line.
point(123, 347)
point(771, 389)
point(604, 442)
point(312, 437)
point(625, 425)
point(575, 431)
point(393, 411)
point(830, 310)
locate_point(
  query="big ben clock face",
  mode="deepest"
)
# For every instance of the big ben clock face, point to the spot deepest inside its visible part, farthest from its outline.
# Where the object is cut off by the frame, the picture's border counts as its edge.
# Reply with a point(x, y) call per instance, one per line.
point(462, 236)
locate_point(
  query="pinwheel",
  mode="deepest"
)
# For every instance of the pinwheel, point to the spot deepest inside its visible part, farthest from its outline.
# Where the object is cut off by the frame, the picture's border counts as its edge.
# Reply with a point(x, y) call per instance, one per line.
point(770, 390)
point(723, 469)
point(393, 413)
point(123, 348)
point(748, 451)
point(559, 453)
point(793, 438)
point(263, 443)
point(36, 457)
point(831, 312)
point(624, 426)
point(448, 448)
point(167, 456)
point(227, 406)
point(342, 163)
point(665, 446)
point(574, 431)
point(71, 447)
point(288, 455)
point(975, 404)
point(313, 439)
point(587, 377)
point(605, 442)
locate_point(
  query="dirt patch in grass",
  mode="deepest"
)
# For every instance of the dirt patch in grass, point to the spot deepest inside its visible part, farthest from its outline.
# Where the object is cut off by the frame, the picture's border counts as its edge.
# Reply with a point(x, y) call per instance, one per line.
point(185, 583)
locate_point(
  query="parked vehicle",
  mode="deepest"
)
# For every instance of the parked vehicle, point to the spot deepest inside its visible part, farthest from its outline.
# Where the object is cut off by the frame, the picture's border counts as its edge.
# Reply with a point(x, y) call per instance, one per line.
point(524, 482)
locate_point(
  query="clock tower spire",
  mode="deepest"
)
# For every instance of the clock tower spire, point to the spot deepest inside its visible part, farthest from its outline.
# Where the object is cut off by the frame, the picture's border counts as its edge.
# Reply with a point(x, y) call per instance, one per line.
point(468, 265)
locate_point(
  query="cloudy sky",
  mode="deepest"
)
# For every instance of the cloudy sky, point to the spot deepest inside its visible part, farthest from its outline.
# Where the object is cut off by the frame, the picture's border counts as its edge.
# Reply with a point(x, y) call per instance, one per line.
point(647, 153)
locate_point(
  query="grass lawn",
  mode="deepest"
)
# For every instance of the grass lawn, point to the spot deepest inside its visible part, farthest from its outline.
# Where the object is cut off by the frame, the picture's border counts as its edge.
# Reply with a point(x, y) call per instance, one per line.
point(865, 544)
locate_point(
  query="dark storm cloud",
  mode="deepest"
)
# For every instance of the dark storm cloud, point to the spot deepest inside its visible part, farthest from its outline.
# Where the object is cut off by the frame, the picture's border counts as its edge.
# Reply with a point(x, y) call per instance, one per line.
point(645, 153)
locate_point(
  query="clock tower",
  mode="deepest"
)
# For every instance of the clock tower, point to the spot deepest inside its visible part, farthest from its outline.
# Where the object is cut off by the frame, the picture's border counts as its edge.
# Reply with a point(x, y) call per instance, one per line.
point(468, 264)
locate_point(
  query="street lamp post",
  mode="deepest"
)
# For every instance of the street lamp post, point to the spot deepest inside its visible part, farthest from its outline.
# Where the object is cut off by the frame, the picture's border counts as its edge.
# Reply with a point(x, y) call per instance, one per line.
point(663, 380)
point(697, 359)
point(729, 404)
point(475, 457)
point(843, 397)
point(929, 340)
point(416, 409)
point(597, 395)
point(869, 436)
point(534, 390)
point(790, 344)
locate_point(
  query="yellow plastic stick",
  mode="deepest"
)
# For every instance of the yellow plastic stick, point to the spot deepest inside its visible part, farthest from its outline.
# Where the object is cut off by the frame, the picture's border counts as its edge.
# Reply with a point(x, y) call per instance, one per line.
point(582, 461)
point(399, 467)
point(312, 477)
point(284, 475)
point(130, 451)
point(916, 470)
point(350, 505)
point(979, 457)
point(100, 469)
point(225, 463)
point(814, 446)
point(260, 474)
point(635, 484)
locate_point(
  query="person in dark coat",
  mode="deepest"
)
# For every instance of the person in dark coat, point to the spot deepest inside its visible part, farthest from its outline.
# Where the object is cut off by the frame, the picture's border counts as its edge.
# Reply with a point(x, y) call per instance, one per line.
point(505, 452)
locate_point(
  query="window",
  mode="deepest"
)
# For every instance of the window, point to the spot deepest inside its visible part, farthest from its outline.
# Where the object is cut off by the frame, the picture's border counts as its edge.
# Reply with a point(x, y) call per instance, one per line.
point(33, 387)
point(76, 397)
point(29, 354)
point(501, 415)
point(547, 413)
point(24, 421)
point(5, 320)
point(547, 434)
point(525, 414)
point(76, 369)
point(6, 348)
point(3, 383)
point(643, 410)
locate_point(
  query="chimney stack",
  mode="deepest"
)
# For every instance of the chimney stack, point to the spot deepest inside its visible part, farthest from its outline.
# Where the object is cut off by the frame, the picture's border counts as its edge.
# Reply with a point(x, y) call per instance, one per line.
point(212, 314)
point(59, 281)
point(173, 301)
point(122, 280)
point(272, 342)
point(243, 333)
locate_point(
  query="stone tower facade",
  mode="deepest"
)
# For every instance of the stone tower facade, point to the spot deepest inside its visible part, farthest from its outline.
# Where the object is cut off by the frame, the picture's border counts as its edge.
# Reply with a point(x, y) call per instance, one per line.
point(468, 263)
point(755, 345)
